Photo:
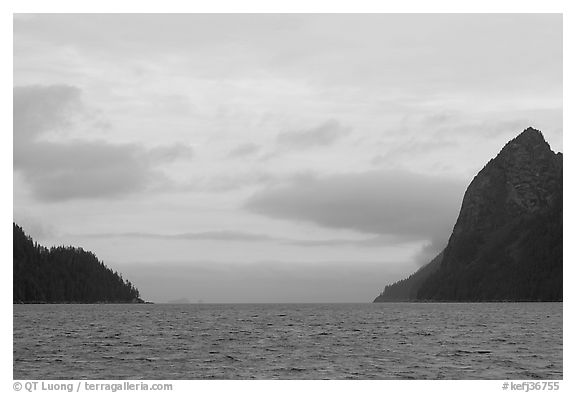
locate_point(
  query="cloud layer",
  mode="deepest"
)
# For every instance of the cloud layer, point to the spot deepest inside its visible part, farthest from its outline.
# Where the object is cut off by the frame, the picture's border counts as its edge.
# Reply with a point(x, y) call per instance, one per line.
point(404, 205)
point(242, 236)
point(243, 150)
point(38, 109)
point(76, 168)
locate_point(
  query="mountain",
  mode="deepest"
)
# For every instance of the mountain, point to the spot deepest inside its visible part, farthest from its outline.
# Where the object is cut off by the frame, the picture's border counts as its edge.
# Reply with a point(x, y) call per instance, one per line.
point(507, 241)
point(64, 275)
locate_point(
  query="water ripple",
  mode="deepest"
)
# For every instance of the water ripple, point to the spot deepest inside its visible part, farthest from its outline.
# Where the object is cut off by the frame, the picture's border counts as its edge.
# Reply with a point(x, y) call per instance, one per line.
point(284, 341)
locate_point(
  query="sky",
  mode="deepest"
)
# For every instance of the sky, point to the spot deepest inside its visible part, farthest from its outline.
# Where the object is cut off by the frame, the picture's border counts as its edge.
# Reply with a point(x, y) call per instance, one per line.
point(268, 157)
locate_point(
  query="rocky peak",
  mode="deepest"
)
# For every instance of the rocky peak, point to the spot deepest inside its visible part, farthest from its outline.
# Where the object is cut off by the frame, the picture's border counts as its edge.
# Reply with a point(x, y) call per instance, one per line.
point(507, 241)
point(523, 178)
point(529, 149)
point(529, 137)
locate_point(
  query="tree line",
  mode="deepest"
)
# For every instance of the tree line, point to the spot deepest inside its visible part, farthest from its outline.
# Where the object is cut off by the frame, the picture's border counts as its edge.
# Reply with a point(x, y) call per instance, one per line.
point(64, 275)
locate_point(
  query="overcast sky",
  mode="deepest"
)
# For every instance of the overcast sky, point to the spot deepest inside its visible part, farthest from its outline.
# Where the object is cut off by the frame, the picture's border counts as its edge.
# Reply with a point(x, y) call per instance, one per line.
point(261, 158)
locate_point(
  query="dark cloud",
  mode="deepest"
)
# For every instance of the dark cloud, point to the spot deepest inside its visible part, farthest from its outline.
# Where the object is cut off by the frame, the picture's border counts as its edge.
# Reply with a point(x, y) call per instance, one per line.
point(325, 134)
point(246, 149)
point(76, 169)
point(82, 169)
point(401, 205)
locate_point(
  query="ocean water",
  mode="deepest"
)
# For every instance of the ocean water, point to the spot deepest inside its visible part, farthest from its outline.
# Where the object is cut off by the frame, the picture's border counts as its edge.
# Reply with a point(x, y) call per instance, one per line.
point(289, 341)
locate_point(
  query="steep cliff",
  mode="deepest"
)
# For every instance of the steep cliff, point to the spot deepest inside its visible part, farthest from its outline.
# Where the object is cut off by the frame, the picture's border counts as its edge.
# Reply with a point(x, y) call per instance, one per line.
point(507, 241)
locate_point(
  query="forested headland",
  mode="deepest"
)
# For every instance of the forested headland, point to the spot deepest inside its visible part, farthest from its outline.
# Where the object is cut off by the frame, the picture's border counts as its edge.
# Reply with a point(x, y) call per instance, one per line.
point(64, 275)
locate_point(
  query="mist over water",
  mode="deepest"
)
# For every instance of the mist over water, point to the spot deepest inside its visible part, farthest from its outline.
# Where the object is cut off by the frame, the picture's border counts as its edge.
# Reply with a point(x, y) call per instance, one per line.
point(289, 341)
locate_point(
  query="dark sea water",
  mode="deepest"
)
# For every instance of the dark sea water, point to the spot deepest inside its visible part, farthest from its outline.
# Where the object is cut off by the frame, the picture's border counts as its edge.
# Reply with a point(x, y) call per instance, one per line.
point(289, 341)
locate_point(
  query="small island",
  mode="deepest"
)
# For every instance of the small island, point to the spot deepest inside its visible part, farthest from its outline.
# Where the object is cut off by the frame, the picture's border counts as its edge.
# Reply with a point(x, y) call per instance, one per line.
point(64, 275)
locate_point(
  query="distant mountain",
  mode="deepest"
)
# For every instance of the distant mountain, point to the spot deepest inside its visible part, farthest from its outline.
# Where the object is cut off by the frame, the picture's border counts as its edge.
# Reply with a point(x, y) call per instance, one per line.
point(507, 241)
point(64, 275)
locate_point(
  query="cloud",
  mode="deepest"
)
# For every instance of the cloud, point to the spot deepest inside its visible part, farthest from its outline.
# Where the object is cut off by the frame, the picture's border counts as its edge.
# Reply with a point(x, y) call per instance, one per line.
point(401, 205)
point(316, 47)
point(240, 236)
point(325, 134)
point(430, 250)
point(34, 227)
point(170, 153)
point(246, 149)
point(483, 128)
point(76, 169)
point(82, 169)
point(230, 182)
point(38, 109)
point(223, 235)
point(414, 147)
